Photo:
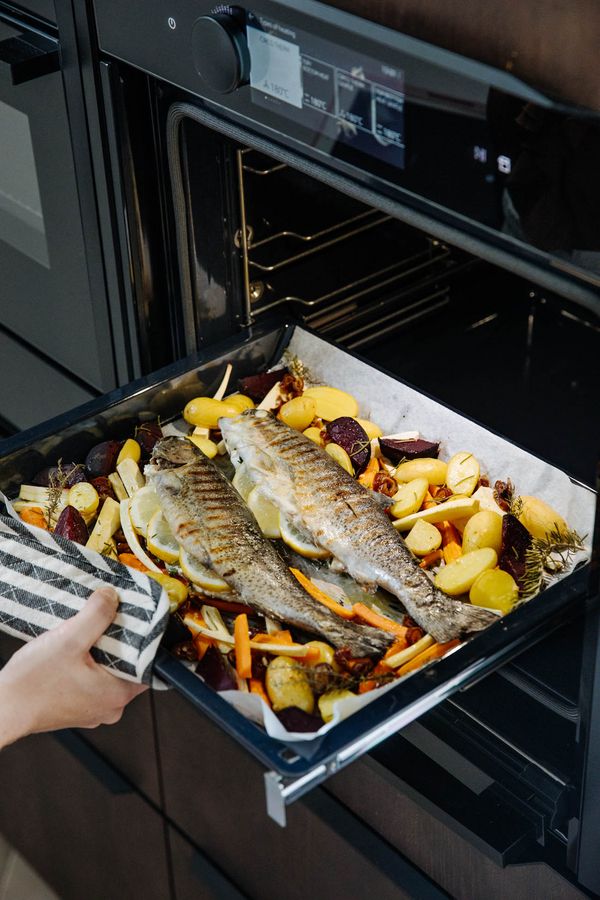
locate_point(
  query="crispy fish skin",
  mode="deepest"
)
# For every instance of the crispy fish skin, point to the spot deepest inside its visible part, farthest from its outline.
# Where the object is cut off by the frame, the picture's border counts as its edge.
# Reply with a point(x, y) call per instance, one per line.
point(210, 520)
point(342, 516)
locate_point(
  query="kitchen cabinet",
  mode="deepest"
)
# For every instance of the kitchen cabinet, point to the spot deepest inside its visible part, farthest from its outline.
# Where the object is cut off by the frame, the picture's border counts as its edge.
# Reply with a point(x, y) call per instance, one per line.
point(79, 823)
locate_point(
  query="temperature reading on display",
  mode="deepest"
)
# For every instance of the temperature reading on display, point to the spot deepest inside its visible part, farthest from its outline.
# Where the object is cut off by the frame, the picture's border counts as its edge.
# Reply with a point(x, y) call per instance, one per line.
point(358, 102)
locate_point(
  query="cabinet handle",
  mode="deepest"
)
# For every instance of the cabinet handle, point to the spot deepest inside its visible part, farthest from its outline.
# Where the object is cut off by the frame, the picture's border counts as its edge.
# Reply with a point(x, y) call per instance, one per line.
point(102, 771)
point(28, 56)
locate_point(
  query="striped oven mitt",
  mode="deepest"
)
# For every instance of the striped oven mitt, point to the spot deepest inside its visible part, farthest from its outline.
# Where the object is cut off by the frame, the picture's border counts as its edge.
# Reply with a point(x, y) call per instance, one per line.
point(45, 578)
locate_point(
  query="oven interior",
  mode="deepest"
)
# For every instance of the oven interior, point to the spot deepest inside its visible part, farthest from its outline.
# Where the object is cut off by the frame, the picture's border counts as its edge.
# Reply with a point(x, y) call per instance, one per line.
point(518, 359)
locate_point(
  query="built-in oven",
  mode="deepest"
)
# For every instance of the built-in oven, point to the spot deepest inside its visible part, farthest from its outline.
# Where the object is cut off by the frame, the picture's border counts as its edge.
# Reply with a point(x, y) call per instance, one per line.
point(60, 341)
point(288, 162)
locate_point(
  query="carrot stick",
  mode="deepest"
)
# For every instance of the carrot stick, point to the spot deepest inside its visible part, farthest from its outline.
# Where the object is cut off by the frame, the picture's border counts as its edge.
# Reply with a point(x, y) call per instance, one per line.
point(256, 687)
point(431, 559)
point(278, 637)
point(436, 651)
point(243, 656)
point(131, 560)
point(34, 515)
point(367, 477)
point(228, 605)
point(451, 541)
point(202, 644)
point(399, 644)
point(370, 617)
point(317, 594)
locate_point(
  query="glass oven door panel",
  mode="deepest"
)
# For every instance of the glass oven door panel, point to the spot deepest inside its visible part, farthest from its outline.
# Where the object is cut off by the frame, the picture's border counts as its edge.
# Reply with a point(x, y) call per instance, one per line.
point(44, 292)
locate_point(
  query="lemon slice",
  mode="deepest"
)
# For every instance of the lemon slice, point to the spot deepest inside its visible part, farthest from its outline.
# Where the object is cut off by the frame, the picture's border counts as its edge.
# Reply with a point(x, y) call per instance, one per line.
point(243, 482)
point(144, 505)
point(160, 540)
point(265, 513)
point(200, 575)
point(299, 541)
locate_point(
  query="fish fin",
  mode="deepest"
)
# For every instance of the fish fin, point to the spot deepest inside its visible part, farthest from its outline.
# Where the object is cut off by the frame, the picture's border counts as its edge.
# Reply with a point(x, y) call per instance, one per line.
point(381, 500)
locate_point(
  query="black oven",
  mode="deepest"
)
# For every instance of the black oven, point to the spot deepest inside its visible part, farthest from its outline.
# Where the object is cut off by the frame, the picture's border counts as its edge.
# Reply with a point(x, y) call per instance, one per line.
point(289, 162)
point(62, 342)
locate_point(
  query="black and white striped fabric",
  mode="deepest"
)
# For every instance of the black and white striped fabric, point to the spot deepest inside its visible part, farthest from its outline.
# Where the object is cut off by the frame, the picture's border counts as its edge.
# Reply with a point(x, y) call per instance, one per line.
point(45, 578)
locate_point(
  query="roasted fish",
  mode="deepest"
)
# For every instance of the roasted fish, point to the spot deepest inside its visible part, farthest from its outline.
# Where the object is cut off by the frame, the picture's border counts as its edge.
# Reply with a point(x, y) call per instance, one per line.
point(343, 517)
point(209, 519)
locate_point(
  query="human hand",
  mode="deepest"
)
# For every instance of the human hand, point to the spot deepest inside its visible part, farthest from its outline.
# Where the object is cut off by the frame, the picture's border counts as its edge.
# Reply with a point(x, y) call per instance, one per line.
point(53, 681)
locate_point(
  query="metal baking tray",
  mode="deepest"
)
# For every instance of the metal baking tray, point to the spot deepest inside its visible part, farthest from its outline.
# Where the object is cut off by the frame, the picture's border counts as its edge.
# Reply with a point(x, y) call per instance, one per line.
point(293, 769)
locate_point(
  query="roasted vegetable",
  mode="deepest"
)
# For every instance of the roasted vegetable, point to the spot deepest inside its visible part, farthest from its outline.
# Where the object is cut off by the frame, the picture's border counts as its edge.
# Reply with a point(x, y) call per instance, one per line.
point(331, 403)
point(71, 525)
point(458, 576)
point(326, 702)
point(409, 497)
point(349, 434)
point(462, 476)
point(423, 538)
point(399, 450)
point(216, 671)
point(434, 470)
point(147, 435)
point(65, 475)
point(298, 412)
point(516, 541)
point(294, 719)
point(102, 459)
point(539, 518)
point(287, 685)
point(484, 529)
point(258, 386)
point(495, 589)
point(104, 488)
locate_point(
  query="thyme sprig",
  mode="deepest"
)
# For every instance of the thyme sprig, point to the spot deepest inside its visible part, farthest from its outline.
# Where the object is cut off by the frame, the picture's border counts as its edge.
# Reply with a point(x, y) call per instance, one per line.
point(547, 556)
point(297, 367)
point(56, 485)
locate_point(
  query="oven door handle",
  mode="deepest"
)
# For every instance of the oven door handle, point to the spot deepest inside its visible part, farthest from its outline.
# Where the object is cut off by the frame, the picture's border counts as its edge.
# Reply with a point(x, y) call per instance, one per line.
point(27, 56)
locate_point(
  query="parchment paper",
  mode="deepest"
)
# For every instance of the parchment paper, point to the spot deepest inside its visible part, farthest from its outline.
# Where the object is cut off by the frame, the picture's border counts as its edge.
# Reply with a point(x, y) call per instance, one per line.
point(396, 407)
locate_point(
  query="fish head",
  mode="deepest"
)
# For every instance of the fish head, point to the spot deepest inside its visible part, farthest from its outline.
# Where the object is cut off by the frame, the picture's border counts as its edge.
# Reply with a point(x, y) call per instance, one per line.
point(172, 452)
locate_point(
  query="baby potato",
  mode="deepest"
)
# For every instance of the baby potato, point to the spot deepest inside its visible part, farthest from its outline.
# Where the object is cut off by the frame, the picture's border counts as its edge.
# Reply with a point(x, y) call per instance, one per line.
point(494, 589)
point(315, 435)
point(463, 473)
point(341, 457)
point(409, 497)
point(298, 413)
point(458, 576)
point(423, 538)
point(331, 403)
point(539, 518)
point(484, 529)
point(240, 401)
point(205, 412)
point(433, 470)
point(373, 431)
point(177, 591)
point(287, 685)
point(327, 700)
point(130, 450)
point(326, 654)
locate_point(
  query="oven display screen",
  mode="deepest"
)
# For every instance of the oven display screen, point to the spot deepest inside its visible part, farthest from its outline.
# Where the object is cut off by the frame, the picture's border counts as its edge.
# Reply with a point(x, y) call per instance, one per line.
point(339, 95)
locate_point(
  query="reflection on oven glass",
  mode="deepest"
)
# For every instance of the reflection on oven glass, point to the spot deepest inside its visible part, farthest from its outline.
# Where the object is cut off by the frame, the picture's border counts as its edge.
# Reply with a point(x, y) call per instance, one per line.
point(21, 217)
point(551, 196)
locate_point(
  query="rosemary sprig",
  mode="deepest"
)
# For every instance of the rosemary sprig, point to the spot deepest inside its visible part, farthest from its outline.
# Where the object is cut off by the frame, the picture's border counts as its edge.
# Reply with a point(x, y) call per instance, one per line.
point(515, 505)
point(547, 556)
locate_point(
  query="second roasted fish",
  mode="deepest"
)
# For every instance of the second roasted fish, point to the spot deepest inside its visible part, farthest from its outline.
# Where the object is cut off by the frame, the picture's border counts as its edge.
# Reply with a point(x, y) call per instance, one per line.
point(340, 515)
point(209, 519)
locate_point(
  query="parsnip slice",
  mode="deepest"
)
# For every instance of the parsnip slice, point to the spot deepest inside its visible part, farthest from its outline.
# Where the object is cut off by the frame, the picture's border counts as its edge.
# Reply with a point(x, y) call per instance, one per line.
point(106, 524)
point(444, 512)
point(131, 476)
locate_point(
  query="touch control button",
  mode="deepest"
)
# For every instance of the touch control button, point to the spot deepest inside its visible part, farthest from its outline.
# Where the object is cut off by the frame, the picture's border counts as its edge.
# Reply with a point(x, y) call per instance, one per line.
point(221, 54)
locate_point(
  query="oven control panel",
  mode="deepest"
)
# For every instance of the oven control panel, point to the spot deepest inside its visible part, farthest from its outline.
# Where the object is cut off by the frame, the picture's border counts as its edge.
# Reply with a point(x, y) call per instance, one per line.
point(434, 130)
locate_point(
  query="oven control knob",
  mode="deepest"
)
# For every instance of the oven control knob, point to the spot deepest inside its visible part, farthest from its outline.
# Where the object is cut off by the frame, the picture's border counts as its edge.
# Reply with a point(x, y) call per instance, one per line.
point(221, 53)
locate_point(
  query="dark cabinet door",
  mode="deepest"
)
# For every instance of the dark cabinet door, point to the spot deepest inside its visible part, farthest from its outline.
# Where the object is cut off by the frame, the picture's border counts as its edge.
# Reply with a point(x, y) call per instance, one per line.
point(214, 793)
point(79, 823)
point(195, 876)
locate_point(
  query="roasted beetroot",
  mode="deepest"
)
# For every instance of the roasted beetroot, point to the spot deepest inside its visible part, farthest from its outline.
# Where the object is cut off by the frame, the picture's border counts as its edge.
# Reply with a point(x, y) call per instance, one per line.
point(102, 458)
point(65, 475)
point(295, 719)
point(350, 435)
point(71, 525)
point(516, 541)
point(258, 386)
point(398, 450)
point(147, 435)
point(216, 671)
point(103, 487)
